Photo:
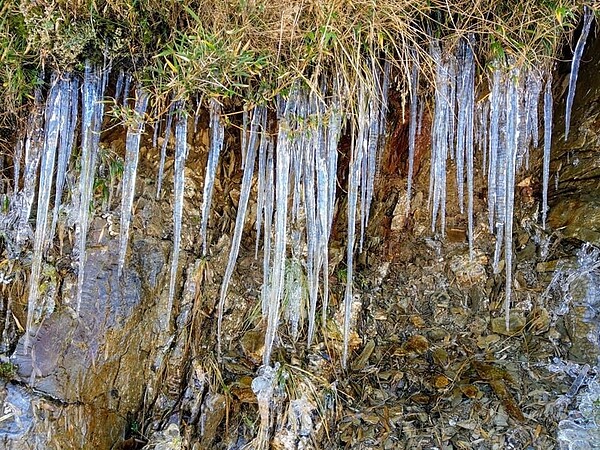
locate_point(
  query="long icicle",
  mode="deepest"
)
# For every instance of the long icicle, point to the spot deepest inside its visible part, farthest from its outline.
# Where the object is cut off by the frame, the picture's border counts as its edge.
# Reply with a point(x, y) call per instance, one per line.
point(412, 130)
point(547, 146)
point(588, 16)
point(282, 172)
point(217, 131)
point(91, 125)
point(51, 132)
point(513, 118)
point(360, 142)
point(257, 120)
point(69, 114)
point(132, 148)
point(181, 152)
point(163, 151)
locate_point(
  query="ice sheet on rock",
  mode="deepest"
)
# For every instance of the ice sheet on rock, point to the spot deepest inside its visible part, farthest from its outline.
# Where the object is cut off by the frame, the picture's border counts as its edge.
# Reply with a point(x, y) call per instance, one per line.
point(588, 16)
point(217, 135)
point(181, 152)
point(132, 148)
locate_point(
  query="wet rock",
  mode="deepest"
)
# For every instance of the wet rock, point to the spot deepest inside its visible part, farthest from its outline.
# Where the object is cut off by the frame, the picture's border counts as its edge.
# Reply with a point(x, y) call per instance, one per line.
point(515, 325)
point(95, 361)
point(582, 321)
point(17, 414)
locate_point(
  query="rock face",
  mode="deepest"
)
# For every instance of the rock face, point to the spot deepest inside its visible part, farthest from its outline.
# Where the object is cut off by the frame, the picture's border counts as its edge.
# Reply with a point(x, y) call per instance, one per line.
point(96, 362)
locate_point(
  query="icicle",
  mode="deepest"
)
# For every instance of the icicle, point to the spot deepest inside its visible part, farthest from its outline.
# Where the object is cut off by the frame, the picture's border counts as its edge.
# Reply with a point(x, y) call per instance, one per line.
point(331, 158)
point(412, 131)
point(588, 15)
point(313, 240)
point(34, 143)
point(91, 124)
point(163, 152)
point(257, 120)
point(132, 147)
point(496, 106)
point(244, 136)
point(463, 107)
point(217, 131)
point(51, 132)
point(119, 86)
point(126, 89)
point(181, 151)
point(155, 127)
point(353, 185)
point(69, 114)
point(443, 119)
point(468, 105)
point(372, 156)
point(512, 131)
point(268, 224)
point(261, 180)
point(282, 174)
point(547, 146)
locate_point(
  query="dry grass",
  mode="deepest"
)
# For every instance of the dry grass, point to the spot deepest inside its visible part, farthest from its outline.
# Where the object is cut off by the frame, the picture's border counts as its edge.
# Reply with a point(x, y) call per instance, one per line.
point(256, 49)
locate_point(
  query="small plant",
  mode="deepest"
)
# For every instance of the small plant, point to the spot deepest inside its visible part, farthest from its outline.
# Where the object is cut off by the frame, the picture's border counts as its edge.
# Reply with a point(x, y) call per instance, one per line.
point(7, 370)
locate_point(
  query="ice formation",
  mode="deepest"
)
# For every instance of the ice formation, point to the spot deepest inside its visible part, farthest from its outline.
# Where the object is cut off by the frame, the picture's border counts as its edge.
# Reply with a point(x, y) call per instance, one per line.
point(294, 172)
point(181, 152)
point(132, 149)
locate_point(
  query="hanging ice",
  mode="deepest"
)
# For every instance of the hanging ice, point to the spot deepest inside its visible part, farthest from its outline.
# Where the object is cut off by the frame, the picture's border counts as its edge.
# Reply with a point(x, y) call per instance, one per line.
point(258, 121)
point(163, 152)
point(181, 151)
point(217, 134)
point(354, 176)
point(68, 123)
point(92, 107)
point(588, 16)
point(441, 136)
point(464, 131)
point(512, 132)
point(277, 269)
point(412, 130)
point(132, 147)
point(34, 143)
point(51, 132)
point(547, 146)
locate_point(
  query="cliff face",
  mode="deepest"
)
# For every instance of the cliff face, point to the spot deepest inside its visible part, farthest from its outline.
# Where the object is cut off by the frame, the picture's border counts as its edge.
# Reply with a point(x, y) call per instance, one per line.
point(431, 360)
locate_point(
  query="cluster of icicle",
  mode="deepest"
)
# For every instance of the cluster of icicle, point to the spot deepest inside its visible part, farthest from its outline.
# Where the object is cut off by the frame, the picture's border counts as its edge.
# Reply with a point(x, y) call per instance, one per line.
point(503, 126)
point(295, 169)
point(296, 191)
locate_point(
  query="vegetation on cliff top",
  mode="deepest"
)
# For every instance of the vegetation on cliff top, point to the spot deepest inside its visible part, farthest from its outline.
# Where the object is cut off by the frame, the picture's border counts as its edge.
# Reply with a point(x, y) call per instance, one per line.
point(255, 49)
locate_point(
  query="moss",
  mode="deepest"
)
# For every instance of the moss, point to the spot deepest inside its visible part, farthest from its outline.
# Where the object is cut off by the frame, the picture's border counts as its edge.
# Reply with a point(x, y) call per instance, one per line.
point(7, 370)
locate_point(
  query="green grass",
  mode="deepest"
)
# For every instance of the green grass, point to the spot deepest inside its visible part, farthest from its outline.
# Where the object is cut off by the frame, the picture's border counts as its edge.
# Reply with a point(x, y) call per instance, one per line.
point(252, 50)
